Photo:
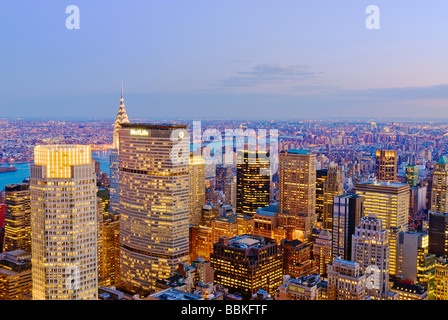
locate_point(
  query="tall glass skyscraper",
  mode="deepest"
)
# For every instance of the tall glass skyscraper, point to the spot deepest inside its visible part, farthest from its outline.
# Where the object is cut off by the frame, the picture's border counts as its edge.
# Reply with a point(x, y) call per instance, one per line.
point(253, 181)
point(17, 217)
point(64, 223)
point(154, 201)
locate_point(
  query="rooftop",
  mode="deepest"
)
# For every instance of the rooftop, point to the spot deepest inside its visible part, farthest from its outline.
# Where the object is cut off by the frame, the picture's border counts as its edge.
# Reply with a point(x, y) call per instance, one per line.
point(298, 151)
point(383, 184)
point(154, 126)
point(443, 160)
point(175, 294)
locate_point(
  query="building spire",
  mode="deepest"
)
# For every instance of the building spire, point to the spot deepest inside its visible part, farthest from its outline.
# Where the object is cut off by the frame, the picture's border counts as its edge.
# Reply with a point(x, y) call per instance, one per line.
point(121, 118)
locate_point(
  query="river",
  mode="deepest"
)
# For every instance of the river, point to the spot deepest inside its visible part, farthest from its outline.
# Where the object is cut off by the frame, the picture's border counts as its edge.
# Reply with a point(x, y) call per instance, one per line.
point(23, 169)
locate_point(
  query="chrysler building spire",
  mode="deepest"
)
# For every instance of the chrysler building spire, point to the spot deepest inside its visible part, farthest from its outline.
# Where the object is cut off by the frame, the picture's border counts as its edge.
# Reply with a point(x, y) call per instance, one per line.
point(122, 117)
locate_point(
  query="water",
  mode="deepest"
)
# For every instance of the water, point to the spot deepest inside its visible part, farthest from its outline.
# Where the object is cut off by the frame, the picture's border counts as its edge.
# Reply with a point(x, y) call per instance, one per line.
point(102, 157)
point(24, 169)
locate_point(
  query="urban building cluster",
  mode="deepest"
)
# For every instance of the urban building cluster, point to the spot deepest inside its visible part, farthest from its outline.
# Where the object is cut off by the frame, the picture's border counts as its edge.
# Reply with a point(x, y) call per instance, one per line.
point(356, 211)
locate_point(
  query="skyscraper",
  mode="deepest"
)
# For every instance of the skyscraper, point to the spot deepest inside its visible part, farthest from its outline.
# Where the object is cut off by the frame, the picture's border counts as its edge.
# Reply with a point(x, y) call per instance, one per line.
point(348, 211)
point(333, 186)
point(370, 248)
point(389, 202)
point(322, 252)
point(321, 177)
point(111, 245)
point(386, 165)
point(346, 281)
point(297, 192)
point(17, 217)
point(412, 175)
point(441, 280)
point(253, 181)
point(196, 170)
point(414, 262)
point(438, 233)
point(439, 190)
point(154, 202)
point(245, 264)
point(63, 223)
point(121, 118)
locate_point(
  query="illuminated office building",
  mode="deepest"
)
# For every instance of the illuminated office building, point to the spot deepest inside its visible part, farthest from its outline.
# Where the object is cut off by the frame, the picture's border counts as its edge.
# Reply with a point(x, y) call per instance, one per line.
point(321, 177)
point(297, 192)
point(409, 291)
point(196, 171)
point(297, 260)
point(245, 264)
point(389, 202)
point(64, 219)
point(370, 248)
point(253, 181)
point(269, 223)
point(15, 275)
point(348, 211)
point(302, 288)
point(414, 262)
point(439, 190)
point(230, 190)
point(154, 202)
point(201, 243)
point(209, 213)
point(412, 175)
point(386, 165)
point(203, 237)
point(221, 177)
point(322, 253)
point(441, 280)
point(111, 248)
point(17, 217)
point(346, 281)
point(333, 186)
point(121, 118)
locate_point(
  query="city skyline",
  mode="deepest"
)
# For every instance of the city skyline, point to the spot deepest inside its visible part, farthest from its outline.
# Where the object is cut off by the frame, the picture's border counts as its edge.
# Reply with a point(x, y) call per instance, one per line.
point(223, 150)
point(222, 60)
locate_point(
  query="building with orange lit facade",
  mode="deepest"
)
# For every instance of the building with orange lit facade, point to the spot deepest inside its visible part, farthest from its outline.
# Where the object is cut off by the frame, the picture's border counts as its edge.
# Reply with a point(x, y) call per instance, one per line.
point(196, 171)
point(346, 281)
point(441, 279)
point(247, 263)
point(297, 260)
point(386, 165)
point(154, 202)
point(64, 220)
point(202, 237)
point(268, 222)
point(297, 193)
point(302, 288)
point(389, 202)
point(322, 252)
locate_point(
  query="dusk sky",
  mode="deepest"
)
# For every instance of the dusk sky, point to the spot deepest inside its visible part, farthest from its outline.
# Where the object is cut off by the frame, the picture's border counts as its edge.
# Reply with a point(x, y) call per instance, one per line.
point(224, 59)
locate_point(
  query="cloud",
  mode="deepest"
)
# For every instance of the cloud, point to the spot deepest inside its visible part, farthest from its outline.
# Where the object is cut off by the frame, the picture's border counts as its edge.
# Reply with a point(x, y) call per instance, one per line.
point(270, 74)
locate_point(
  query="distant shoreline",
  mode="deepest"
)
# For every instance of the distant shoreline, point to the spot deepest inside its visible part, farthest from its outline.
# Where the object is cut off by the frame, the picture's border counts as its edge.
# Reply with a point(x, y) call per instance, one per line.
point(13, 163)
point(8, 169)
